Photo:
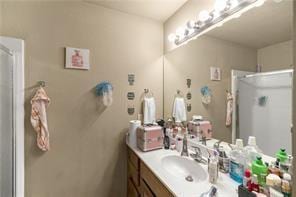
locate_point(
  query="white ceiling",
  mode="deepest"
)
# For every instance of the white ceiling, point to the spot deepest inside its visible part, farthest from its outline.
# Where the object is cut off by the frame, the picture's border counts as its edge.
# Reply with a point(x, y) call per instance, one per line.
point(259, 27)
point(159, 10)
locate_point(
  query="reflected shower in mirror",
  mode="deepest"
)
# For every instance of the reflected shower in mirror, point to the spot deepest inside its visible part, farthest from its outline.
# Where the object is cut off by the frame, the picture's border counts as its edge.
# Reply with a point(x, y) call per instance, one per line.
point(252, 57)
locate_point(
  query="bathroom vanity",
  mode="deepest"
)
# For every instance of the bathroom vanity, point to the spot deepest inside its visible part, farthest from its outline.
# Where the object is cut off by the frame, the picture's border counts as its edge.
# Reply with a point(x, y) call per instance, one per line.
point(163, 173)
point(141, 180)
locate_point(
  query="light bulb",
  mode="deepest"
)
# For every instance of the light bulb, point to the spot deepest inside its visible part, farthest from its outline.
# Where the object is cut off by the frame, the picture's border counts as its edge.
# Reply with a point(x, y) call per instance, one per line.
point(220, 5)
point(172, 37)
point(204, 16)
point(181, 31)
point(191, 24)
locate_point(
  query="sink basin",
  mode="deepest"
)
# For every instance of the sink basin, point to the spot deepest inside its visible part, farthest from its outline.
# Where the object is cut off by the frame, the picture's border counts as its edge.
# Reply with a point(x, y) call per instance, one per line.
point(183, 168)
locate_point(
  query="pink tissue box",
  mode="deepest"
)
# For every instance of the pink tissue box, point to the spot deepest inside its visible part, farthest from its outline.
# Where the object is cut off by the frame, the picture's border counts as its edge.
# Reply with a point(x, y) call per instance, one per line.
point(149, 138)
point(204, 128)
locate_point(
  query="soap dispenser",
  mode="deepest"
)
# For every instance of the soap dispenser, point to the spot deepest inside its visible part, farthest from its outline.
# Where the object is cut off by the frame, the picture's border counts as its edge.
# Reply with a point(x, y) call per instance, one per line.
point(213, 167)
point(166, 139)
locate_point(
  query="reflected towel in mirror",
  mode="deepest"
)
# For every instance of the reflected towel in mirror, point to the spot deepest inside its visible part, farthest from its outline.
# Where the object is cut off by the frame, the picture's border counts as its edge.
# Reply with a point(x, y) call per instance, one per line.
point(179, 110)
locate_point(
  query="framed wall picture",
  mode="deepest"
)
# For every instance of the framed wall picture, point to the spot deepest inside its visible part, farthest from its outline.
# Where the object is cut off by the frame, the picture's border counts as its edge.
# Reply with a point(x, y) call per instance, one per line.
point(215, 73)
point(77, 58)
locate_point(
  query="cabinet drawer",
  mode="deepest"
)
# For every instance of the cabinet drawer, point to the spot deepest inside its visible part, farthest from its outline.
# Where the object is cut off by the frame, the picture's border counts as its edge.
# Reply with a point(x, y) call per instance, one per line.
point(133, 174)
point(131, 189)
point(145, 191)
point(133, 158)
point(152, 181)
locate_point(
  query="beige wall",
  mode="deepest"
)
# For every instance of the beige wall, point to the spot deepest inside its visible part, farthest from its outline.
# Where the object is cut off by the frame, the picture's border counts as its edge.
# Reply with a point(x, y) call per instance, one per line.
point(194, 60)
point(276, 57)
point(87, 156)
point(189, 11)
point(294, 96)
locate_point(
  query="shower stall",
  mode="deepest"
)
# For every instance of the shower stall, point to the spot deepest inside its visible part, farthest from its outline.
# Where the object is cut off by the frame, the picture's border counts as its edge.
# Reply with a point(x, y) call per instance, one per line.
point(265, 109)
point(11, 117)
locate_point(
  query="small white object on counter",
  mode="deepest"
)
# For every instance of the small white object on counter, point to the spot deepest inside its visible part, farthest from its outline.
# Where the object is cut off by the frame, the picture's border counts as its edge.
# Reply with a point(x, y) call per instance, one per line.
point(132, 133)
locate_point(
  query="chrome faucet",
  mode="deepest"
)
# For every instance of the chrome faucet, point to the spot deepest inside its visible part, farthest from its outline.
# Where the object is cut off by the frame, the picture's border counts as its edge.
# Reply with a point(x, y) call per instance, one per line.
point(204, 140)
point(211, 193)
point(217, 145)
point(197, 156)
point(184, 147)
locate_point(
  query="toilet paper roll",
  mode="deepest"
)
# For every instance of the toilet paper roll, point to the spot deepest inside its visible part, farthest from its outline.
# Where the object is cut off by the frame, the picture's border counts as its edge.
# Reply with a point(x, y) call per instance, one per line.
point(132, 134)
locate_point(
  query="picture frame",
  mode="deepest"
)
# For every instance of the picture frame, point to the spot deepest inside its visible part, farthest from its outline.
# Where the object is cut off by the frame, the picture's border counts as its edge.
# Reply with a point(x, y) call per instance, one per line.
point(215, 73)
point(77, 58)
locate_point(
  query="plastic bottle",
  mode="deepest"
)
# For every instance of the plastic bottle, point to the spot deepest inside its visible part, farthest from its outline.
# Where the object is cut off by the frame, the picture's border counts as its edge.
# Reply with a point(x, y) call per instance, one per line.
point(251, 151)
point(247, 180)
point(260, 169)
point(223, 160)
point(286, 185)
point(254, 184)
point(213, 167)
point(166, 139)
point(237, 161)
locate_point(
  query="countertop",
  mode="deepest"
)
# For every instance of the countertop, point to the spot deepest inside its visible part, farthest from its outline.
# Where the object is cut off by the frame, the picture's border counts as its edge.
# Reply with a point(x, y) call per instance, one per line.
point(181, 188)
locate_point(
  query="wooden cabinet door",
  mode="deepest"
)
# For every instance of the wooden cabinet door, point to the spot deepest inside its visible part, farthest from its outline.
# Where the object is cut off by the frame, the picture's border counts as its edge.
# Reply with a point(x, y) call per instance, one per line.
point(131, 189)
point(145, 191)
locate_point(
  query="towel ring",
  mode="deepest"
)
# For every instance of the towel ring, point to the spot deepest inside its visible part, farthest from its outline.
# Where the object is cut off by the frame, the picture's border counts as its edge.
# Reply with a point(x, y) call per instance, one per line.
point(41, 83)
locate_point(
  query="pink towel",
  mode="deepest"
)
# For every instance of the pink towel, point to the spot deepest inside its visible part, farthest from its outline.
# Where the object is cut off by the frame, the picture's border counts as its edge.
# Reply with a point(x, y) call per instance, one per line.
point(38, 118)
point(229, 109)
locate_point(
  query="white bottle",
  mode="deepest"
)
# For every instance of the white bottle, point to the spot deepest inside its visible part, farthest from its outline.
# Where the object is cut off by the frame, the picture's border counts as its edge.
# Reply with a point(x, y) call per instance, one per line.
point(213, 165)
point(251, 151)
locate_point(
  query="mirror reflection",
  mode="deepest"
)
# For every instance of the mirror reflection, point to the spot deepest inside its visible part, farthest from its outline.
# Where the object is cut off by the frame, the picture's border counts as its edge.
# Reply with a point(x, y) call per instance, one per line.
point(241, 79)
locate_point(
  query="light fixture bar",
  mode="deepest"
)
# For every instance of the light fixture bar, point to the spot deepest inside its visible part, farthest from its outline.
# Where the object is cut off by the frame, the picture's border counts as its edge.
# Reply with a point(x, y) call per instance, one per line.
point(215, 20)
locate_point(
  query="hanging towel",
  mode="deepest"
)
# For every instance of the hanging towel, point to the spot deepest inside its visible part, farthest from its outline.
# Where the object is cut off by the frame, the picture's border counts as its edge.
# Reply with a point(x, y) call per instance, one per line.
point(179, 110)
point(39, 103)
point(149, 110)
point(229, 109)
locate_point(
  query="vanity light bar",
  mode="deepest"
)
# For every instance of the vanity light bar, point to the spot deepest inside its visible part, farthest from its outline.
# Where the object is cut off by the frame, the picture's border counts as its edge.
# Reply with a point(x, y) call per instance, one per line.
point(209, 20)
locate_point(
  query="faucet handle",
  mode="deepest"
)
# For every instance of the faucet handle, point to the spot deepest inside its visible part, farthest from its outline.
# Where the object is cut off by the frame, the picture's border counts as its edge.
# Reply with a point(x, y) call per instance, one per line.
point(197, 149)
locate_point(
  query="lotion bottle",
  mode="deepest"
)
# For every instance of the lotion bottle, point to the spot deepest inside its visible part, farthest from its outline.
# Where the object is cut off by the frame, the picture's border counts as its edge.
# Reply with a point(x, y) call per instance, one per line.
point(213, 166)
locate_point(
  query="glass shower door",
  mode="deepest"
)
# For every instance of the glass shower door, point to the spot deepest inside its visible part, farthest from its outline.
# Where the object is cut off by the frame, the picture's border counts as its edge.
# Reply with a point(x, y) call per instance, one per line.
point(6, 124)
point(265, 110)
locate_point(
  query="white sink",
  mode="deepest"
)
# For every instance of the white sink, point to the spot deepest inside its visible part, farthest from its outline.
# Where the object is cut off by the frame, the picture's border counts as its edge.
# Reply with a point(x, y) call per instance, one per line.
point(183, 168)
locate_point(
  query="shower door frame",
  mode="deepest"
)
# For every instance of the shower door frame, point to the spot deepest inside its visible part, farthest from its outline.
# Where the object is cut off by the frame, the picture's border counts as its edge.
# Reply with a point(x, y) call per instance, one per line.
point(16, 48)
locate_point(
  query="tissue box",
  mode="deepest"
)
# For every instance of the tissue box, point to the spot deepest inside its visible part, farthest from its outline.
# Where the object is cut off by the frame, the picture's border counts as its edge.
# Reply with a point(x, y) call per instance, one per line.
point(200, 128)
point(149, 138)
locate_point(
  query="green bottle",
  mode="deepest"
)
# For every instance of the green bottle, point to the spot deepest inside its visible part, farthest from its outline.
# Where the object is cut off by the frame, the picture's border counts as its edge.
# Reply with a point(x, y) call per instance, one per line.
point(282, 155)
point(260, 169)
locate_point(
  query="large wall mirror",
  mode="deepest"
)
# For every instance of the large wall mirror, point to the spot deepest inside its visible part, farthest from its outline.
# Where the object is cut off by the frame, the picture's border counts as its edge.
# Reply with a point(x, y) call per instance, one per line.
point(248, 59)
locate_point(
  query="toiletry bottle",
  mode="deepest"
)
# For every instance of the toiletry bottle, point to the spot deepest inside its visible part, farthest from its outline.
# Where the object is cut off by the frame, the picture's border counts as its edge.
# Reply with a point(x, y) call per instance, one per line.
point(166, 140)
point(251, 151)
point(224, 161)
point(184, 146)
point(290, 164)
point(286, 185)
point(286, 166)
point(254, 184)
point(272, 169)
point(237, 161)
point(213, 167)
point(247, 180)
point(259, 169)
